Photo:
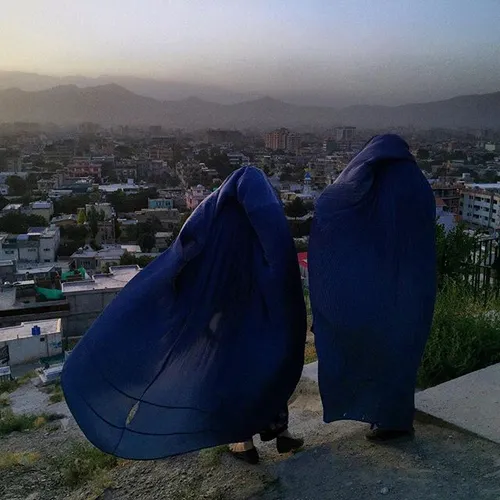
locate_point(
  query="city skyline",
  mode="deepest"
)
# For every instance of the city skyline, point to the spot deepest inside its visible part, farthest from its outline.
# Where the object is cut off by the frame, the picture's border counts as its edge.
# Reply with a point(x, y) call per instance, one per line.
point(327, 53)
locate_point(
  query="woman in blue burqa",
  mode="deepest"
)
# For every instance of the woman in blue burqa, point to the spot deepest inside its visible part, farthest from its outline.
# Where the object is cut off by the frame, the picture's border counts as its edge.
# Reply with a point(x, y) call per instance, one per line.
point(372, 282)
point(205, 345)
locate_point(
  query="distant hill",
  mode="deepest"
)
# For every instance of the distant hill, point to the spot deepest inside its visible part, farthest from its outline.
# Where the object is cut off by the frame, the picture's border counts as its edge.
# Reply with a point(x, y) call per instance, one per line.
point(112, 104)
point(163, 90)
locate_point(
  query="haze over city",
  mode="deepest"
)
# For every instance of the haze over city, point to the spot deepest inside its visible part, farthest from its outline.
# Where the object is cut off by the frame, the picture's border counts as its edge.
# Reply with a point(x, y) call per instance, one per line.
point(320, 52)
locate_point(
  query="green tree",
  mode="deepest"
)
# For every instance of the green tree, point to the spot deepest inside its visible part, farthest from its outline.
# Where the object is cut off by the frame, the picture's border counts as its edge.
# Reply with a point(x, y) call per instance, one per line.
point(128, 259)
point(146, 241)
point(16, 223)
point(17, 185)
point(423, 154)
point(296, 208)
point(118, 230)
point(93, 220)
point(36, 221)
point(82, 217)
point(453, 251)
point(70, 204)
point(77, 234)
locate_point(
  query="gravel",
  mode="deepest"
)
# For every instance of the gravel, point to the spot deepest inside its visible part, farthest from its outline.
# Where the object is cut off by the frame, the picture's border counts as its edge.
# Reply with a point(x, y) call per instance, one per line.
point(337, 462)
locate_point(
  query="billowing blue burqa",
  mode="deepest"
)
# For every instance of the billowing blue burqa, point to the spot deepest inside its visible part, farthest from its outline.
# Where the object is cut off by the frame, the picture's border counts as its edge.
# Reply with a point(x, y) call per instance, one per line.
point(372, 283)
point(205, 346)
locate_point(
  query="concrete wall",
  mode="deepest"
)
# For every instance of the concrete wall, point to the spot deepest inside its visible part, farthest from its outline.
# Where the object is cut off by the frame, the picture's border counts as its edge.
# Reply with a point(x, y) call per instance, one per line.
point(85, 307)
point(29, 349)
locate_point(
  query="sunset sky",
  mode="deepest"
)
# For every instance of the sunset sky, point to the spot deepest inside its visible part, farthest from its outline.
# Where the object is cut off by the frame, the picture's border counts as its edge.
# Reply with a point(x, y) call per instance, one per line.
point(368, 51)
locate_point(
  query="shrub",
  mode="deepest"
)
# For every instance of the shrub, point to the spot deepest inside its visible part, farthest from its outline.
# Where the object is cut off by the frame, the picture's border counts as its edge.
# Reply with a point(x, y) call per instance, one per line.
point(8, 386)
point(84, 462)
point(9, 422)
point(465, 335)
point(10, 459)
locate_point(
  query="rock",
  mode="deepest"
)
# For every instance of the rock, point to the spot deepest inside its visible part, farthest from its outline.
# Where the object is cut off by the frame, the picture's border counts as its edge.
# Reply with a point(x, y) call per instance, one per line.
point(384, 490)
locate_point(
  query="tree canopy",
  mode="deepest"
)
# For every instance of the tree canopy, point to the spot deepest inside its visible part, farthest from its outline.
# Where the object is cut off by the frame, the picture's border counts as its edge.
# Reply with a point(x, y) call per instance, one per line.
point(16, 223)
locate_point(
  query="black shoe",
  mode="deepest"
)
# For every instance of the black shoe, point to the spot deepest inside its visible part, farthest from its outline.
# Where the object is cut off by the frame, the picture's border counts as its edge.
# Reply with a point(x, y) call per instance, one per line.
point(288, 444)
point(250, 456)
point(376, 434)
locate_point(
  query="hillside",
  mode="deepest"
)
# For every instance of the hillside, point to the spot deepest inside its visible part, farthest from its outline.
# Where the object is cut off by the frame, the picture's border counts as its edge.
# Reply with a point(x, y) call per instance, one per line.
point(112, 104)
point(52, 460)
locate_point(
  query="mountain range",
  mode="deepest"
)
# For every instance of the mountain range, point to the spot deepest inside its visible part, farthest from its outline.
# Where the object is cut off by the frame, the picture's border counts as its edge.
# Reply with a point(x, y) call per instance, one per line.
point(113, 104)
point(163, 90)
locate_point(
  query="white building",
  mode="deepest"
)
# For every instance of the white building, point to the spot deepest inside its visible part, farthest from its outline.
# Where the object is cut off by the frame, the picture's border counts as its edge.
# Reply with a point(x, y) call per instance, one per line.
point(481, 208)
point(37, 245)
point(31, 340)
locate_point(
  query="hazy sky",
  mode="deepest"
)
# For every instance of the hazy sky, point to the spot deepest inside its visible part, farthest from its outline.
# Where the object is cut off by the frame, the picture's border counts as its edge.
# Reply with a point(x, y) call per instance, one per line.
point(374, 51)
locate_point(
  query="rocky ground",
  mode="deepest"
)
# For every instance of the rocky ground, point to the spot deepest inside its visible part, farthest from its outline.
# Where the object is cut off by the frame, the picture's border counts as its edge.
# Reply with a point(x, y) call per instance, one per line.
point(337, 463)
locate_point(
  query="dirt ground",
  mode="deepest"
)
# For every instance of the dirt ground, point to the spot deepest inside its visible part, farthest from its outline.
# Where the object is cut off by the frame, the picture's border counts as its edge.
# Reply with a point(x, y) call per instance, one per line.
point(336, 462)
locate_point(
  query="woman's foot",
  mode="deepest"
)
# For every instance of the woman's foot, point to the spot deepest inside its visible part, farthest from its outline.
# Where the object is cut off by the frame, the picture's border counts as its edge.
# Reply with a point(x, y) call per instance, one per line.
point(376, 434)
point(285, 443)
point(245, 451)
point(250, 456)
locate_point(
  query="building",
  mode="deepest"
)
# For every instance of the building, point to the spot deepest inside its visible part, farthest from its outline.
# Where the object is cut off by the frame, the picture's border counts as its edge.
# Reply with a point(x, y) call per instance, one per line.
point(64, 220)
point(481, 208)
point(60, 152)
point(293, 143)
point(195, 195)
point(129, 188)
point(168, 218)
point(450, 194)
point(88, 298)
point(125, 172)
point(238, 159)
point(12, 208)
point(83, 167)
point(30, 341)
point(96, 260)
point(345, 134)
point(37, 245)
point(163, 240)
point(444, 217)
point(277, 139)
point(160, 203)
point(105, 210)
point(217, 136)
point(43, 209)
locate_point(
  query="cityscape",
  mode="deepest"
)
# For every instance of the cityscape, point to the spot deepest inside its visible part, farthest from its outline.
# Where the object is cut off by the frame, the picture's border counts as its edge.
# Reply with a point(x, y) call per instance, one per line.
point(83, 211)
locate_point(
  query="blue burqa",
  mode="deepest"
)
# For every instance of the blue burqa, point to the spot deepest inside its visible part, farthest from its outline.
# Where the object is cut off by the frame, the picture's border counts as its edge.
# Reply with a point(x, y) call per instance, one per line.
point(372, 283)
point(205, 345)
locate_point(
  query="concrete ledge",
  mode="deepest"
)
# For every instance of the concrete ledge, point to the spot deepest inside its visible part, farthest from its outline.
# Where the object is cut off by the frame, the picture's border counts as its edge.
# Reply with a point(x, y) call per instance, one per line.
point(310, 372)
point(471, 402)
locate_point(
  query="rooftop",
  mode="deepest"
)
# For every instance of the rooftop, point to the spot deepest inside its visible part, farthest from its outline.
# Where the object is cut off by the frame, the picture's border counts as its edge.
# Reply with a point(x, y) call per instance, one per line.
point(111, 188)
point(117, 278)
point(41, 205)
point(106, 252)
point(47, 326)
point(12, 206)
